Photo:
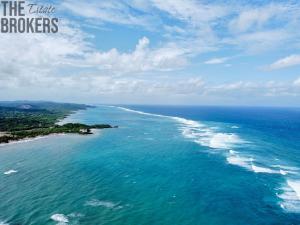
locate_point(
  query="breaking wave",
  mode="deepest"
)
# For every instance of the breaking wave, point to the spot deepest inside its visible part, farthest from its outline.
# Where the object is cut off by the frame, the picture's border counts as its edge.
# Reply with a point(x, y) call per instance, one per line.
point(60, 218)
point(210, 137)
point(9, 172)
point(290, 196)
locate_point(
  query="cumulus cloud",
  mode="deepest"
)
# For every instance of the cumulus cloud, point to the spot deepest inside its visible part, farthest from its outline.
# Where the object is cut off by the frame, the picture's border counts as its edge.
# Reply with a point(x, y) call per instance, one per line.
point(142, 59)
point(292, 60)
point(70, 64)
point(36, 56)
point(21, 53)
point(98, 87)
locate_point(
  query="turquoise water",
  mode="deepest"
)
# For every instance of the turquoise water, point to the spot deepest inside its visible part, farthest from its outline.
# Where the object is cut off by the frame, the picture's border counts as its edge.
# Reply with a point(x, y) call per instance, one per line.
point(215, 167)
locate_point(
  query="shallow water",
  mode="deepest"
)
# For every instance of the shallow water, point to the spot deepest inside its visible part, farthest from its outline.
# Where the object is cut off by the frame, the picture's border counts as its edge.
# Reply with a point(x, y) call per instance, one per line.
point(170, 165)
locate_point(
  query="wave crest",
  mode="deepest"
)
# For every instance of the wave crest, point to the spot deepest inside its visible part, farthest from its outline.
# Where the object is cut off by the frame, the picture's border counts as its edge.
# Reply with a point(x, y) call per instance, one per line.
point(9, 172)
point(290, 196)
point(61, 218)
point(209, 137)
point(106, 204)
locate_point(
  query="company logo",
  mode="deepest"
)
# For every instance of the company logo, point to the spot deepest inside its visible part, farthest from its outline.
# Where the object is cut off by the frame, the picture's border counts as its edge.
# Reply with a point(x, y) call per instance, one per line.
point(20, 17)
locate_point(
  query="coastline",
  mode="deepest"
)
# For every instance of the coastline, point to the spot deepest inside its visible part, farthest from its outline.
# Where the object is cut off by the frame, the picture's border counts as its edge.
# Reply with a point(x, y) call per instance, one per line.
point(25, 140)
point(92, 168)
point(60, 122)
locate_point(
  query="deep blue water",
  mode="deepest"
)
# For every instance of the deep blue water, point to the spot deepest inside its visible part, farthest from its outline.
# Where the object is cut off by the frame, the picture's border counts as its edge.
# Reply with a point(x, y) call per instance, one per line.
point(163, 165)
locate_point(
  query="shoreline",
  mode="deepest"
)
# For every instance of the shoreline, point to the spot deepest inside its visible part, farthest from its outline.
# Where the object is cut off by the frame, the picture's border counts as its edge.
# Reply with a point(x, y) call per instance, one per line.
point(25, 140)
point(31, 139)
point(59, 122)
point(62, 125)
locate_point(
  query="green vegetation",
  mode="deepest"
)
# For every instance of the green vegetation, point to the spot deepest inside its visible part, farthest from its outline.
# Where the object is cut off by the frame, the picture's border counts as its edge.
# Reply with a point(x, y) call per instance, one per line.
point(22, 119)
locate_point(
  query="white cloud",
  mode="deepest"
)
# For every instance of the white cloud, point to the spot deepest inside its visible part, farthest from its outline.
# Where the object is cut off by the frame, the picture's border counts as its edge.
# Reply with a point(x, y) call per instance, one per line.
point(260, 41)
point(288, 61)
point(297, 82)
point(27, 54)
point(201, 27)
point(263, 28)
point(262, 90)
point(114, 11)
point(70, 50)
point(69, 64)
point(257, 18)
point(96, 86)
point(142, 59)
point(217, 60)
point(142, 12)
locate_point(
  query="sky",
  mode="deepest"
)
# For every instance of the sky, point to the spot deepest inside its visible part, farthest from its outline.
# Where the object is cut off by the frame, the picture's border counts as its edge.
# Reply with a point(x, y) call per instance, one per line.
point(191, 52)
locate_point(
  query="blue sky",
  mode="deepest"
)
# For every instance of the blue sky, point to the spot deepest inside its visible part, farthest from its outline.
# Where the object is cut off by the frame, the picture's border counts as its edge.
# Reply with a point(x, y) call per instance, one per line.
point(192, 52)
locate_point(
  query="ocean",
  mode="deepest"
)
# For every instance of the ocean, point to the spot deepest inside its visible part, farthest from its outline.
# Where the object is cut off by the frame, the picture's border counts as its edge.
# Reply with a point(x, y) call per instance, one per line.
point(164, 165)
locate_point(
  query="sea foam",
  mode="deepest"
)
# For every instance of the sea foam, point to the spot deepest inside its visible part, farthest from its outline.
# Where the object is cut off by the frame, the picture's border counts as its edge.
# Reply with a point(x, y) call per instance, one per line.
point(259, 169)
point(290, 196)
point(9, 172)
point(61, 218)
point(220, 140)
point(3, 223)
point(208, 136)
point(295, 185)
point(139, 112)
point(199, 133)
point(106, 204)
point(250, 164)
point(284, 170)
point(239, 161)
